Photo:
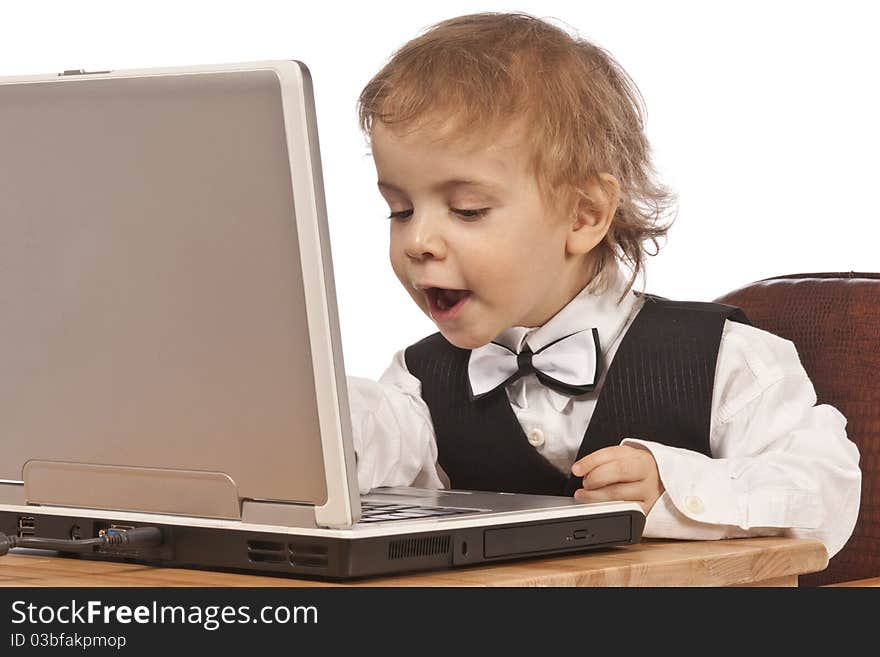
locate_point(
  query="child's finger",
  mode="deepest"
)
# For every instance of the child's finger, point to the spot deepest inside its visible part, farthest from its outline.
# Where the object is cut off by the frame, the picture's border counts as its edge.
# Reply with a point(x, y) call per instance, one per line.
point(597, 458)
point(620, 470)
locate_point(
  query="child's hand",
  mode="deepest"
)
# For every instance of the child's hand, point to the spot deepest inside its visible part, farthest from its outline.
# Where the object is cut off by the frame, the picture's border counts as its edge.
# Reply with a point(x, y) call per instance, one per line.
point(619, 473)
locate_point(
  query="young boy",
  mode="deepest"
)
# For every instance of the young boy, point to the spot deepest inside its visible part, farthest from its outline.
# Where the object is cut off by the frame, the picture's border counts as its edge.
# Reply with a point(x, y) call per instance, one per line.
point(515, 165)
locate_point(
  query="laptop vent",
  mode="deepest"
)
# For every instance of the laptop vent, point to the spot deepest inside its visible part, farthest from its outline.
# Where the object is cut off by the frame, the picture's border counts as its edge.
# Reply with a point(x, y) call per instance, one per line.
point(408, 548)
point(310, 556)
point(297, 554)
point(266, 552)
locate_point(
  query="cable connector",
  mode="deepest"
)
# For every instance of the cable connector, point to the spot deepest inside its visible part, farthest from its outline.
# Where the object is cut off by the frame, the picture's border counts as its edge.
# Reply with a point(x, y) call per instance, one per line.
point(6, 544)
point(130, 539)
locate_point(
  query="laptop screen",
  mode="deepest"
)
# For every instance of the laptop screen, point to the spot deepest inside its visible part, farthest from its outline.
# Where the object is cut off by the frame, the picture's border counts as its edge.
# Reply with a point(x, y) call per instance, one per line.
point(151, 290)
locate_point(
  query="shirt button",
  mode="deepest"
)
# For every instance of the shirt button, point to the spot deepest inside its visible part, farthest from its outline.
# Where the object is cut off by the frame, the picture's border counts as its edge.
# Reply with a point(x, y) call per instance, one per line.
point(694, 504)
point(536, 437)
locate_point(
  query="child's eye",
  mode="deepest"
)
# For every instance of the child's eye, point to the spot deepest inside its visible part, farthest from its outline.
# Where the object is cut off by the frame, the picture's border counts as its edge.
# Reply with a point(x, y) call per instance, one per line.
point(471, 214)
point(466, 214)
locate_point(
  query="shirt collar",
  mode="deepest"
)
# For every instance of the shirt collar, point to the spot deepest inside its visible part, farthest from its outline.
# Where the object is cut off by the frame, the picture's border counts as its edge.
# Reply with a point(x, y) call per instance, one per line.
point(586, 310)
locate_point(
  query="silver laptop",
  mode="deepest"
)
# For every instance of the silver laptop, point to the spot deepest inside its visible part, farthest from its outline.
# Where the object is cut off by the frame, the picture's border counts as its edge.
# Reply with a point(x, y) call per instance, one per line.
point(170, 350)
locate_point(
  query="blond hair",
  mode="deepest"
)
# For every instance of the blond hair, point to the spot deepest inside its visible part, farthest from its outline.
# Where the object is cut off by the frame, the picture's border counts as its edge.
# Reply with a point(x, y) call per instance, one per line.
point(583, 114)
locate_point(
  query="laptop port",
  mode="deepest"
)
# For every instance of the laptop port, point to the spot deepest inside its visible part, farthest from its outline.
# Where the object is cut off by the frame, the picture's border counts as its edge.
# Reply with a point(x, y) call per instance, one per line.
point(111, 528)
point(26, 526)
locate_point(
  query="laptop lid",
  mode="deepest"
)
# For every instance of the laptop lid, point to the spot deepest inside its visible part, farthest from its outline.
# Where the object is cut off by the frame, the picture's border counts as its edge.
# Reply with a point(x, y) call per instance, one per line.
point(169, 338)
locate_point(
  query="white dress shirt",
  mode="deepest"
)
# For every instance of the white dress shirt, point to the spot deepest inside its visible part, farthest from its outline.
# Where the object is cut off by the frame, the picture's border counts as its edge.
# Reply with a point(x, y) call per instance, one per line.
point(781, 464)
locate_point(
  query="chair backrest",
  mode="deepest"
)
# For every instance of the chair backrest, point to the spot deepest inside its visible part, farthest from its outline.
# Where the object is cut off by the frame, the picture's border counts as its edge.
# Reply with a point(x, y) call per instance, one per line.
point(834, 321)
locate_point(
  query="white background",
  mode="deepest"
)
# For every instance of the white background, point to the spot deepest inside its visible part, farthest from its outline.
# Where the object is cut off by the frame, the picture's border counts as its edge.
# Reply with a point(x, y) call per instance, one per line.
point(763, 117)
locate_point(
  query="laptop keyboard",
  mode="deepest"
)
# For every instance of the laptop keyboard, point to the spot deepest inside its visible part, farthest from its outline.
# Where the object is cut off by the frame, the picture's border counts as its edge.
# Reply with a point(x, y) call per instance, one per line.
point(380, 512)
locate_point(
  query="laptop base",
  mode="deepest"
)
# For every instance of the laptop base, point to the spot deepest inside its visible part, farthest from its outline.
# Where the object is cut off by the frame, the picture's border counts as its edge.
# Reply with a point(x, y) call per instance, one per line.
point(339, 557)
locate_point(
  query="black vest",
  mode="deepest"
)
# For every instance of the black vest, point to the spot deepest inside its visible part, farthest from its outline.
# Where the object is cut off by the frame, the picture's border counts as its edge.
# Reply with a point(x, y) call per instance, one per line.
point(659, 388)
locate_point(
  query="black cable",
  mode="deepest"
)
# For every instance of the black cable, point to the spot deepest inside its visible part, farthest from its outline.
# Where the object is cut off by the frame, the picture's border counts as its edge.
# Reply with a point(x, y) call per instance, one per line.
point(130, 539)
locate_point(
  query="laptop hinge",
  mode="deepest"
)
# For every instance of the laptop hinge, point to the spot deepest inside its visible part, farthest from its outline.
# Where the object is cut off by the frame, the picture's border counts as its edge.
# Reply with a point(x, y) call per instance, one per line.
point(123, 488)
point(284, 514)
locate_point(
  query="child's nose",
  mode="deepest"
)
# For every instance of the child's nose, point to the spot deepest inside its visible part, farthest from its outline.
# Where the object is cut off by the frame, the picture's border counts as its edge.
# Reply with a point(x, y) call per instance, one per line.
point(424, 237)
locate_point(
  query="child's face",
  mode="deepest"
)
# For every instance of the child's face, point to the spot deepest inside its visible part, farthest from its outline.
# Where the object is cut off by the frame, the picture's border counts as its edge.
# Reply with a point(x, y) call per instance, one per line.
point(472, 239)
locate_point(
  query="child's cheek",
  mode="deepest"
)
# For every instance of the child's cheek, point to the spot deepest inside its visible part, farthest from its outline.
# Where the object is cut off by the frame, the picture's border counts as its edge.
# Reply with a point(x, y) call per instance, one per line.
point(399, 271)
point(480, 275)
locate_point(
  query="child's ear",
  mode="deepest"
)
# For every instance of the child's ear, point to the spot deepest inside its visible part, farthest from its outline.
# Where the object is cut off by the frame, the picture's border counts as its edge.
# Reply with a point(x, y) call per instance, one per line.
point(594, 211)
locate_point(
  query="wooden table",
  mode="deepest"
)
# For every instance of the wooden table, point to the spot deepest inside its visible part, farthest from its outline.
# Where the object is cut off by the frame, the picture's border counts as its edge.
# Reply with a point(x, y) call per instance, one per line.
point(736, 562)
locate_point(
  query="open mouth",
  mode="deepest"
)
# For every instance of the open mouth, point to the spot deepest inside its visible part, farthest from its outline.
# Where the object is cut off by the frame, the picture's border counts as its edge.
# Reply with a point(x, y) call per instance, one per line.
point(445, 303)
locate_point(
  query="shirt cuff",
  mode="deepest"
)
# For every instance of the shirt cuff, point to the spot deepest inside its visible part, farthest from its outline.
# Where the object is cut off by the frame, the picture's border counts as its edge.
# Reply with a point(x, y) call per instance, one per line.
point(698, 486)
point(700, 489)
point(666, 521)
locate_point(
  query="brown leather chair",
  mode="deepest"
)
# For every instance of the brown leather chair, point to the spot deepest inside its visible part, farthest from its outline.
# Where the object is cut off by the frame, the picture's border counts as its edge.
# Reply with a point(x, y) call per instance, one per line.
point(834, 321)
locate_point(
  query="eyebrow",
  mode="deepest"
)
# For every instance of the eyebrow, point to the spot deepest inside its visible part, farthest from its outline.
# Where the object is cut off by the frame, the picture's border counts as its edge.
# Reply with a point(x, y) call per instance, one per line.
point(447, 185)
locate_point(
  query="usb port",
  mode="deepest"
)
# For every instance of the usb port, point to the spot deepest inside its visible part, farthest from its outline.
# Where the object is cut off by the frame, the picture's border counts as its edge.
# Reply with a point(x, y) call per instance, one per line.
point(26, 526)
